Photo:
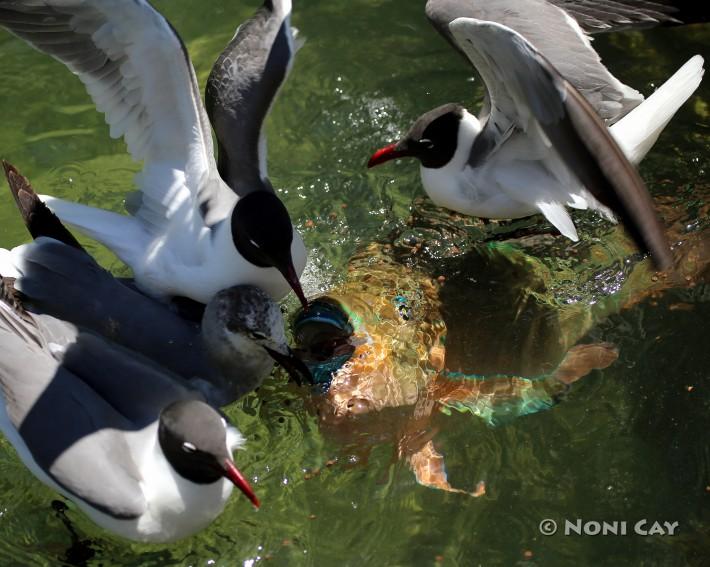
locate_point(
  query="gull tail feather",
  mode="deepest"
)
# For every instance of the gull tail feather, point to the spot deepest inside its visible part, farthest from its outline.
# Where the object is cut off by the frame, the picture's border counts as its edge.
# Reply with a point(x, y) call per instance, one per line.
point(639, 129)
point(558, 216)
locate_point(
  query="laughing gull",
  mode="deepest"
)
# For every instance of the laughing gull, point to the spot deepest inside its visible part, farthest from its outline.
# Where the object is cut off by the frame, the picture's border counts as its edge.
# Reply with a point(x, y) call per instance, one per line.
point(539, 145)
point(191, 232)
point(137, 450)
point(227, 356)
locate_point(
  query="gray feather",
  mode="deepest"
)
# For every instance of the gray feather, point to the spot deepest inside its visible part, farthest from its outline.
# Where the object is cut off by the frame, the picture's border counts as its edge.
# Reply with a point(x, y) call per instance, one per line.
point(240, 91)
point(40, 393)
point(596, 16)
point(546, 28)
point(72, 396)
point(570, 123)
point(68, 284)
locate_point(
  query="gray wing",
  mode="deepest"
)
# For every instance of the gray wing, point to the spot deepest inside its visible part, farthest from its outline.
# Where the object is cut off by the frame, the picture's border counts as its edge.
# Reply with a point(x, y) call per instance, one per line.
point(241, 89)
point(554, 34)
point(70, 432)
point(102, 392)
point(137, 71)
point(597, 16)
point(67, 283)
point(136, 387)
point(528, 94)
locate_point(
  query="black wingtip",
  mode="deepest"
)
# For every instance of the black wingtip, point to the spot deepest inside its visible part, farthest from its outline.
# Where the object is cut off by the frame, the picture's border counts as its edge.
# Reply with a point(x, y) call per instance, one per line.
point(586, 146)
point(615, 182)
point(38, 219)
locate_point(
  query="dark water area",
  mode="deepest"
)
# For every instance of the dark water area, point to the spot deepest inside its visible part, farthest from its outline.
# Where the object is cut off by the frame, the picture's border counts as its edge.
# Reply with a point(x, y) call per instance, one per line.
point(625, 444)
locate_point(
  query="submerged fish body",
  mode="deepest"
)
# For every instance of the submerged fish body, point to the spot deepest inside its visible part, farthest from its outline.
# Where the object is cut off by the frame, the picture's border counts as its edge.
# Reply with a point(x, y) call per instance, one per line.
point(387, 350)
point(394, 353)
point(396, 339)
point(400, 332)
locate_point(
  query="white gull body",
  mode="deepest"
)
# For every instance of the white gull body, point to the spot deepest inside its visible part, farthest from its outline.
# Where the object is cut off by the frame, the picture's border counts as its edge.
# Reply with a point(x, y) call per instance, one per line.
point(537, 146)
point(526, 176)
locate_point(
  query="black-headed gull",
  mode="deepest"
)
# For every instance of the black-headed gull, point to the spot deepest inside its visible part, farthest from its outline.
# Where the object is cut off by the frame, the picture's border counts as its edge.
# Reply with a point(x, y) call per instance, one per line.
point(139, 451)
point(538, 145)
point(191, 232)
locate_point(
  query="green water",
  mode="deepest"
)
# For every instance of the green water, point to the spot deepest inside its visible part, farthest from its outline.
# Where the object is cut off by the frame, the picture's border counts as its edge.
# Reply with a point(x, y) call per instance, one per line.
point(629, 442)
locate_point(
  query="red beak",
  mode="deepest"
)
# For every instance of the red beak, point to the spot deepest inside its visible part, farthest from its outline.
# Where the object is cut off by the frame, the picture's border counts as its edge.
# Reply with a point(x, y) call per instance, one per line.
point(237, 478)
point(386, 154)
point(292, 279)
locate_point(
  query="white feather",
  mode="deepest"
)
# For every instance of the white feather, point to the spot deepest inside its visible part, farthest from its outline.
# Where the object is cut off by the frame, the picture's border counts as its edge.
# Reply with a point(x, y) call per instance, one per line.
point(7, 265)
point(639, 129)
point(558, 217)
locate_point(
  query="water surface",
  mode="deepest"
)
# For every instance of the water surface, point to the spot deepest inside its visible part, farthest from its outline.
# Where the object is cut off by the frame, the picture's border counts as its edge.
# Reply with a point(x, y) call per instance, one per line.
point(628, 443)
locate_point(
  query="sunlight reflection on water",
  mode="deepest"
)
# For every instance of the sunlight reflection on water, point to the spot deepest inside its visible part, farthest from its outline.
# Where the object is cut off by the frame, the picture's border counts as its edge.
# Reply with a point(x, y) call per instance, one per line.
point(343, 495)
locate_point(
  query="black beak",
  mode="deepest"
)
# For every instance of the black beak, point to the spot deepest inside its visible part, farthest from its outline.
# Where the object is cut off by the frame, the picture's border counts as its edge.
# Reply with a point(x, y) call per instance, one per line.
point(295, 367)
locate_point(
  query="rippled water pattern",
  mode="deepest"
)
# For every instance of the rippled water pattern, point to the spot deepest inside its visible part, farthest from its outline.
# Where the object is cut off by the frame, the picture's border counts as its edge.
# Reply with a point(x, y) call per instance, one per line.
point(627, 443)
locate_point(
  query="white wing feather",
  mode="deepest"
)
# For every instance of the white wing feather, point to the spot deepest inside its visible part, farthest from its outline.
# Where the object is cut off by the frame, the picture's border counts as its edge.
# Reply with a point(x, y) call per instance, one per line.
point(138, 73)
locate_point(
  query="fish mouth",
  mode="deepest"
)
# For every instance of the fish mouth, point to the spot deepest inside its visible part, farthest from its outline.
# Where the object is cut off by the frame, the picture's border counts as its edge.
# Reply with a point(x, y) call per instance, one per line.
point(322, 336)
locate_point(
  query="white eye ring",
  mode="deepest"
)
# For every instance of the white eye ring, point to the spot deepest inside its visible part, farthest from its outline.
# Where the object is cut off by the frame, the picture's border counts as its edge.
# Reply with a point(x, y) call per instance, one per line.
point(188, 447)
point(224, 423)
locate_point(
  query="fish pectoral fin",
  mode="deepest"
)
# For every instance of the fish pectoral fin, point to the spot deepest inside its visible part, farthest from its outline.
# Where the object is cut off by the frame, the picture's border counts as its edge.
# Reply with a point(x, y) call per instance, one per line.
point(558, 216)
point(428, 467)
point(580, 360)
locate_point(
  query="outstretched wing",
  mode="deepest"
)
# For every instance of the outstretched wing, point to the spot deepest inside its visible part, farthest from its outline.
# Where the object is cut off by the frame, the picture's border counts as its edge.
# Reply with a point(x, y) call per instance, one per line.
point(556, 35)
point(38, 219)
point(241, 89)
point(137, 71)
point(528, 94)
